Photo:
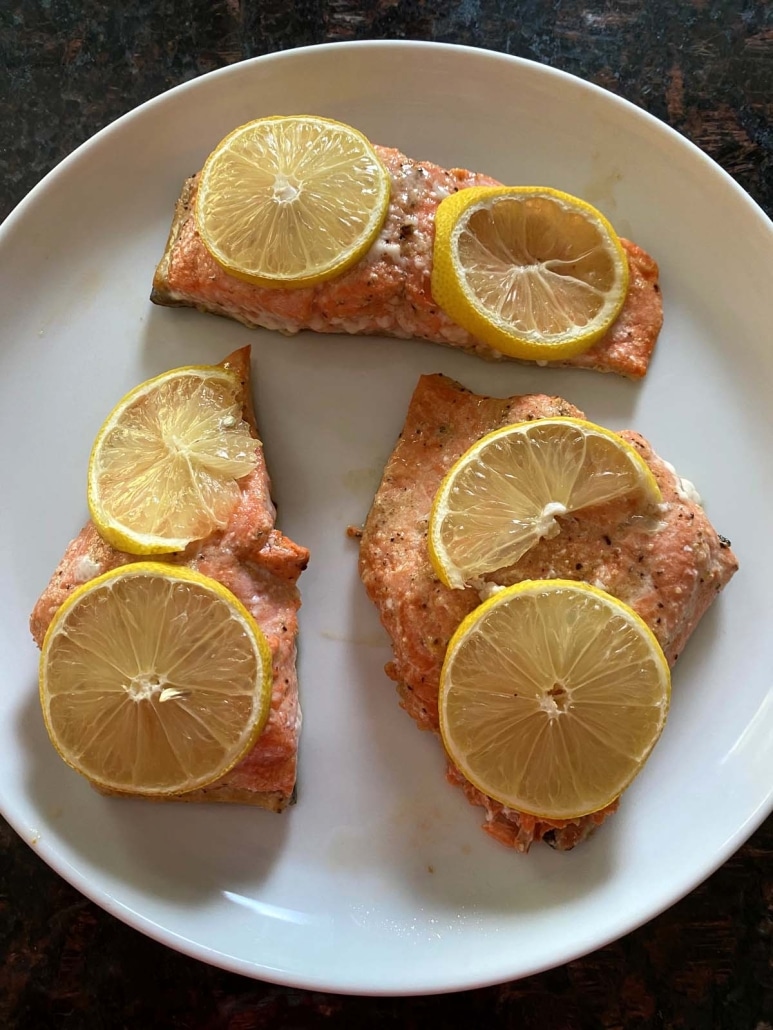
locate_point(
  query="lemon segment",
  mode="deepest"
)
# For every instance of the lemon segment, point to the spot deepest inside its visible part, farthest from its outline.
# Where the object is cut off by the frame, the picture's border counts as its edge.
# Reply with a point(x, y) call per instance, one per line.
point(533, 272)
point(154, 680)
point(552, 696)
point(165, 465)
point(507, 491)
point(291, 201)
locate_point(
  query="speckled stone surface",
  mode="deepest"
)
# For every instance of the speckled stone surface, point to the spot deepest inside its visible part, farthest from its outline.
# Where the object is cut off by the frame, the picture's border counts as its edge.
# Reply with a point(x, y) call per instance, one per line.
point(69, 67)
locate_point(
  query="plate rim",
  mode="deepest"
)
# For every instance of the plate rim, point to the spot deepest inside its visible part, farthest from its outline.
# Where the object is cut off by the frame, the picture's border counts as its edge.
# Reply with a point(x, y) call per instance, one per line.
point(100, 895)
point(536, 67)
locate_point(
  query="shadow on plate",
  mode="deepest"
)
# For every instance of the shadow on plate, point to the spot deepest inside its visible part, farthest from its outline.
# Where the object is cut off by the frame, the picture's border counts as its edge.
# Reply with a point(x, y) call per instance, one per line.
point(181, 853)
point(173, 337)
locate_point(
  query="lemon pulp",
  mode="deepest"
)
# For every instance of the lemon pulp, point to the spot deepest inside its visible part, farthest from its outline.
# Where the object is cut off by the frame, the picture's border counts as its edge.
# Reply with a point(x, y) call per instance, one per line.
point(552, 696)
point(165, 465)
point(533, 272)
point(154, 680)
point(507, 491)
point(290, 201)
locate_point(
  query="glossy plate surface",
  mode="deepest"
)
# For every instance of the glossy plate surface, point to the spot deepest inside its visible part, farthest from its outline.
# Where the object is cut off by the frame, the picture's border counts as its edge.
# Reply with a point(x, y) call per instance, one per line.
point(379, 880)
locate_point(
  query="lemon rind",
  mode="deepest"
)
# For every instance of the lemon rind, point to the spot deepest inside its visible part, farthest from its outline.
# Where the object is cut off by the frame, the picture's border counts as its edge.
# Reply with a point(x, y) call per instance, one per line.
point(536, 586)
point(448, 573)
point(351, 258)
point(119, 536)
point(178, 573)
point(450, 294)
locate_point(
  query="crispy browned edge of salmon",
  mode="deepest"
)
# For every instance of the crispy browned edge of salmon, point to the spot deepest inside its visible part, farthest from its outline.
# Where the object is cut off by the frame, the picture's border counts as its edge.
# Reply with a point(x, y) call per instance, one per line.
point(160, 293)
point(224, 793)
point(274, 801)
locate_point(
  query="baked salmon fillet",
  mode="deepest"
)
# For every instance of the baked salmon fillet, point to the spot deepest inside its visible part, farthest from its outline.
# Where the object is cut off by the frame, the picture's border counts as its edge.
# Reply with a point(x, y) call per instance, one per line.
point(668, 564)
point(388, 292)
point(261, 567)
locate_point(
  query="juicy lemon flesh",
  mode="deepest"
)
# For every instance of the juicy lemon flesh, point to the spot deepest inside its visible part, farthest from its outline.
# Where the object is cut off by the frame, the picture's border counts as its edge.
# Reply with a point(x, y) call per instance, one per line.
point(533, 272)
point(291, 201)
point(509, 490)
point(552, 696)
point(154, 681)
point(541, 270)
point(165, 467)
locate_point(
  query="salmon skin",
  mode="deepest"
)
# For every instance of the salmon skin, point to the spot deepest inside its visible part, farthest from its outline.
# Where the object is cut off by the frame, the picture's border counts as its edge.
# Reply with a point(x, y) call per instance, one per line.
point(387, 293)
point(261, 567)
point(668, 564)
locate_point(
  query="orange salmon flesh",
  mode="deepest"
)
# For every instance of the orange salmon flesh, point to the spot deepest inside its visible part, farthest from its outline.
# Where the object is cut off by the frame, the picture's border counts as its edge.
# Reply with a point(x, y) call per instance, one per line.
point(387, 293)
point(261, 567)
point(668, 565)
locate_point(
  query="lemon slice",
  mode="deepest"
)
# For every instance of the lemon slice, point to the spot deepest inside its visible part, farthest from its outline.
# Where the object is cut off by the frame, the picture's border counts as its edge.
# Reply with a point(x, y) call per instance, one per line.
point(505, 493)
point(165, 465)
point(154, 680)
point(552, 696)
point(530, 271)
point(291, 201)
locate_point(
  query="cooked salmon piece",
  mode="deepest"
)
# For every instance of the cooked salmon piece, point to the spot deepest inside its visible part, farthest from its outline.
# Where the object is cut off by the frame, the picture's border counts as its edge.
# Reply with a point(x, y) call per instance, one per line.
point(668, 564)
point(388, 292)
point(261, 567)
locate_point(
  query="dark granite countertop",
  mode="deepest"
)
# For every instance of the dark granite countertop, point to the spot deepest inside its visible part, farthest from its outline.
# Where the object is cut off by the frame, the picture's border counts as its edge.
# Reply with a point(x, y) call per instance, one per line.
point(69, 67)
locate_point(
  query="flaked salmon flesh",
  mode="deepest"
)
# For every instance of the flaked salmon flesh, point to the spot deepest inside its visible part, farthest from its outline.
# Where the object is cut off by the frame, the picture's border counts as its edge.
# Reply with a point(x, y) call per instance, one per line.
point(388, 293)
point(261, 567)
point(667, 563)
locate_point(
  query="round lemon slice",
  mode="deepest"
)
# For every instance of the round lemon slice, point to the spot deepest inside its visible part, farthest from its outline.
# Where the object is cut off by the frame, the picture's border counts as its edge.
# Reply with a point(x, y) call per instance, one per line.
point(530, 271)
point(291, 201)
point(165, 465)
point(507, 491)
point(154, 680)
point(552, 696)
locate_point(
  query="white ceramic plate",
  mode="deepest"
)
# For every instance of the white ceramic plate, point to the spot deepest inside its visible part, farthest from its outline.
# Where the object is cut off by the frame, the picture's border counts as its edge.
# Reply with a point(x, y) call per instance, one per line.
point(379, 880)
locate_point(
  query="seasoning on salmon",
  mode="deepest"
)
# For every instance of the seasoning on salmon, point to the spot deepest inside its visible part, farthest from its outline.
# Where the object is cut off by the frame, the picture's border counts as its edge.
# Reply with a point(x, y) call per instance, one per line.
point(387, 293)
point(668, 564)
point(261, 567)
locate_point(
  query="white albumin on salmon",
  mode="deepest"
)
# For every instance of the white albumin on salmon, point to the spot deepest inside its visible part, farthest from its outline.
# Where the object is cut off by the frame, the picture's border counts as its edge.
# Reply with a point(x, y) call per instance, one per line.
point(387, 293)
point(261, 567)
point(668, 564)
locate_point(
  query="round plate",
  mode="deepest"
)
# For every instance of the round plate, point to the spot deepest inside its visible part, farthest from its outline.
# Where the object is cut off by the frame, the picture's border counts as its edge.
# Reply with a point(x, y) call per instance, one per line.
point(379, 879)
